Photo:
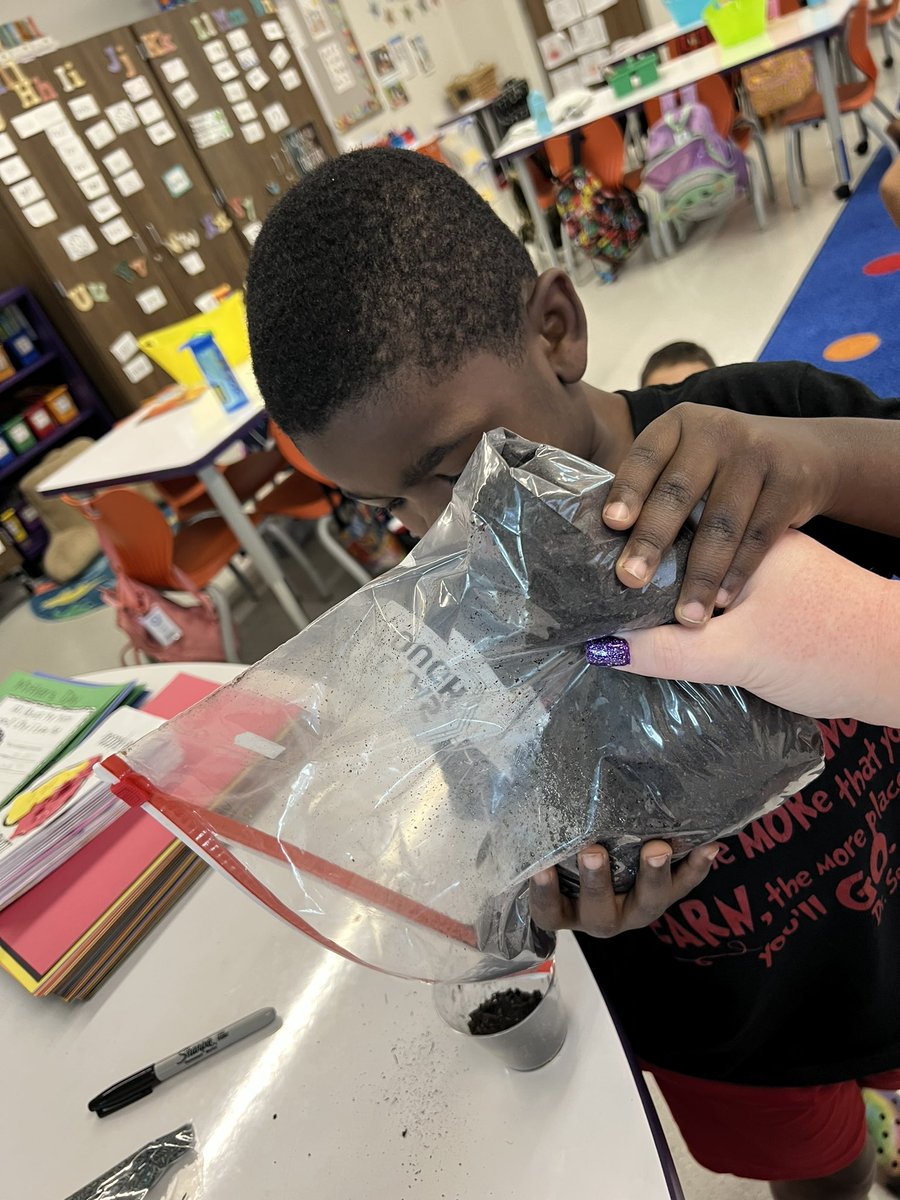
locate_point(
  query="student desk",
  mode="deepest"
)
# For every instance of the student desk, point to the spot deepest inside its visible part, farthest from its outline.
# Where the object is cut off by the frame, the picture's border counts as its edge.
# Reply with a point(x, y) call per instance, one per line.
point(182, 441)
point(807, 27)
point(361, 1094)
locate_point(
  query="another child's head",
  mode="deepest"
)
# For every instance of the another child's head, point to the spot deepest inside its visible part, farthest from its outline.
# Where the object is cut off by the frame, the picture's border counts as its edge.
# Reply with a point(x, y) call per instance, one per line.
point(674, 363)
point(394, 319)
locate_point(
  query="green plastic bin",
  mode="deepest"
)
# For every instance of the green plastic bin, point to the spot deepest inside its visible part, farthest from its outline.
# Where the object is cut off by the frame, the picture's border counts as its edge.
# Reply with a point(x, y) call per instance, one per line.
point(632, 74)
point(17, 434)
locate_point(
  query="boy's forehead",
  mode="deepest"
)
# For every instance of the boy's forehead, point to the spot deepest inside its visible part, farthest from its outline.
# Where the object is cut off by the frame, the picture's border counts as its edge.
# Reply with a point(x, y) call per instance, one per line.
point(408, 428)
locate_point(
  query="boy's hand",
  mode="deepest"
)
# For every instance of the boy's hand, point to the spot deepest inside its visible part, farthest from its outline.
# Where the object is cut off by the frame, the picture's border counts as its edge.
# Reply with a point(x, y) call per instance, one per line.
point(763, 475)
point(600, 911)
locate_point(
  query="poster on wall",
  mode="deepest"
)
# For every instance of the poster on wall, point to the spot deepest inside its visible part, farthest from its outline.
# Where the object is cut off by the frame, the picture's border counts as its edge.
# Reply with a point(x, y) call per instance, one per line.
point(316, 19)
point(304, 149)
point(563, 13)
point(338, 68)
point(330, 56)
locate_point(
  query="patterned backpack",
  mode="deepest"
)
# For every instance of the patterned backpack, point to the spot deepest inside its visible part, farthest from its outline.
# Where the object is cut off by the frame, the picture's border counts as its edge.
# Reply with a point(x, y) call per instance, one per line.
point(606, 224)
point(696, 172)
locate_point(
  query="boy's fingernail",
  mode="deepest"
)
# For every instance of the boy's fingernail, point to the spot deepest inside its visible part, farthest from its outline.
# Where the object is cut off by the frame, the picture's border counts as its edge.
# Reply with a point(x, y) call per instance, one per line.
point(616, 512)
point(593, 862)
point(723, 598)
point(658, 860)
point(710, 852)
point(638, 568)
point(693, 612)
point(608, 652)
point(544, 878)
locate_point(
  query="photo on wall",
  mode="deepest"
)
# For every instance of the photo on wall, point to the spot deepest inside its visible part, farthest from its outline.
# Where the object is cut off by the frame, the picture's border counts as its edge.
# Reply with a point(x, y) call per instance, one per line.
point(382, 63)
point(402, 57)
point(396, 94)
point(421, 54)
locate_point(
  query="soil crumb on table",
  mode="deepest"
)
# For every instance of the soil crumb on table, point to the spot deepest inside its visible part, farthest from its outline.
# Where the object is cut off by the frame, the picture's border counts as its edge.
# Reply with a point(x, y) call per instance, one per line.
point(502, 1011)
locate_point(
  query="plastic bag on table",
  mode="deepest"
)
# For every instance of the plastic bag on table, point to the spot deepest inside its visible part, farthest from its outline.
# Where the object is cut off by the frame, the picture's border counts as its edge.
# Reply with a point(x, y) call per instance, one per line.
point(389, 779)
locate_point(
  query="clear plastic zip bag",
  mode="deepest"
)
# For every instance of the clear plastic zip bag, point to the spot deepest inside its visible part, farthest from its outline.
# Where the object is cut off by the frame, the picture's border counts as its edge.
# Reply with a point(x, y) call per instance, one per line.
point(389, 779)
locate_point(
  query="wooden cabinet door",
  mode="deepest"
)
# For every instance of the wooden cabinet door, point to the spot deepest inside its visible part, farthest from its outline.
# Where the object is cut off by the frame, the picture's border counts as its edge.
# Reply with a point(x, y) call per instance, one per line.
point(623, 19)
point(81, 183)
point(238, 91)
point(176, 215)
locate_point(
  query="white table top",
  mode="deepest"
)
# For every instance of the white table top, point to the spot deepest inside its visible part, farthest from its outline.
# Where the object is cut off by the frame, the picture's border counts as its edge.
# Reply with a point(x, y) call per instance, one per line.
point(805, 25)
point(469, 110)
point(177, 443)
point(361, 1093)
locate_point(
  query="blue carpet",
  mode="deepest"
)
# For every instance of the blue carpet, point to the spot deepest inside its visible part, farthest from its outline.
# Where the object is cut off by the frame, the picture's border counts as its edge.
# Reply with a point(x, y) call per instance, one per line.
point(836, 300)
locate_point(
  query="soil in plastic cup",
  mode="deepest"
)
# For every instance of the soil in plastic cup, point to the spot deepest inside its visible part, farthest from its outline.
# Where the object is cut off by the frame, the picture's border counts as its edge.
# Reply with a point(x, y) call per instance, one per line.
point(525, 1046)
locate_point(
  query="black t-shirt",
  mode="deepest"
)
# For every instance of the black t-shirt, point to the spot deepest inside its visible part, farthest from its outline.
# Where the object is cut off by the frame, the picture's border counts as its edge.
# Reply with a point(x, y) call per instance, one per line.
point(783, 967)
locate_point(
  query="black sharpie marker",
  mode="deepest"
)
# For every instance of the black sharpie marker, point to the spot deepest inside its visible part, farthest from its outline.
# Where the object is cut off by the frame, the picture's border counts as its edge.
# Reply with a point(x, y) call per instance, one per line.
point(142, 1083)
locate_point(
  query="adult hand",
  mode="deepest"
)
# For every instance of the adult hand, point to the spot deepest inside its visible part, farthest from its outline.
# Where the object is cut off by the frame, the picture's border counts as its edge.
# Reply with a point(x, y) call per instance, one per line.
point(602, 912)
point(762, 475)
point(810, 632)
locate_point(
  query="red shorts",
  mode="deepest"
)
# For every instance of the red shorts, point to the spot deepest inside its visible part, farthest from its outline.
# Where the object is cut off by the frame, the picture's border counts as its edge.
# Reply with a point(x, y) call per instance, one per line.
point(773, 1134)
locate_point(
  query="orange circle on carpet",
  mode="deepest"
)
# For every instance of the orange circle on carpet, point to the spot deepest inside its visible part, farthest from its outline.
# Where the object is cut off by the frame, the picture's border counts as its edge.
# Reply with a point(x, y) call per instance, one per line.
point(848, 349)
point(886, 265)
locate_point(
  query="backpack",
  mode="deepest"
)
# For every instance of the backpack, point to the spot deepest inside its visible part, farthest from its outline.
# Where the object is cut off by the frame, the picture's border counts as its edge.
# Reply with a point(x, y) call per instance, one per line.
point(161, 628)
point(779, 81)
point(606, 224)
point(696, 172)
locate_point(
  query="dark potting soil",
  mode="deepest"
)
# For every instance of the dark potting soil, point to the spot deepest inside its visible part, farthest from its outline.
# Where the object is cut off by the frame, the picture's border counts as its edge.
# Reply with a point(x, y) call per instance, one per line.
point(502, 1011)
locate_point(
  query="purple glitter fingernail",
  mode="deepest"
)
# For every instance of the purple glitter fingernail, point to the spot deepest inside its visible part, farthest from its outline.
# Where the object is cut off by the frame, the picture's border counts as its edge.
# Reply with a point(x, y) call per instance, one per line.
point(608, 652)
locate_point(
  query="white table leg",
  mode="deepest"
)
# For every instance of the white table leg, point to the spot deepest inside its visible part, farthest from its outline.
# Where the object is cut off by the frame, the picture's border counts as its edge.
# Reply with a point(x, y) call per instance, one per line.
point(825, 83)
point(490, 124)
point(246, 533)
point(541, 228)
point(633, 130)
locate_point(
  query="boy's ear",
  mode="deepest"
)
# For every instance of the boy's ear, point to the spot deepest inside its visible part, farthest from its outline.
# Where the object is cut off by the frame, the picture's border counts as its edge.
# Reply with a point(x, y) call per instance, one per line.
point(556, 316)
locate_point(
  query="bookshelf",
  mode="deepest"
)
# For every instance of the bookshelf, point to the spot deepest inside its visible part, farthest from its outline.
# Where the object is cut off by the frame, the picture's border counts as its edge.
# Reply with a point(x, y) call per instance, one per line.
point(54, 367)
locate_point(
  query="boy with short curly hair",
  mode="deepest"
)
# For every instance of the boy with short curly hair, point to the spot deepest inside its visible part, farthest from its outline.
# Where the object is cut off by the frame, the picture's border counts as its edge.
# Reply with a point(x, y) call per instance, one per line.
point(393, 320)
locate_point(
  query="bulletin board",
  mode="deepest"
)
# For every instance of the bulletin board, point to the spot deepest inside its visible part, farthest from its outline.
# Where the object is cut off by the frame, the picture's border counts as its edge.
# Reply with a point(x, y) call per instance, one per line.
point(236, 91)
point(103, 188)
point(332, 58)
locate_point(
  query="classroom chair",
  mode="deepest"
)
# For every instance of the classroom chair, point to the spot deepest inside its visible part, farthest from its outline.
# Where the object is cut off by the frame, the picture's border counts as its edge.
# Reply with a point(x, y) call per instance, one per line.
point(546, 198)
point(882, 18)
point(603, 154)
point(306, 495)
point(152, 553)
point(190, 501)
point(858, 98)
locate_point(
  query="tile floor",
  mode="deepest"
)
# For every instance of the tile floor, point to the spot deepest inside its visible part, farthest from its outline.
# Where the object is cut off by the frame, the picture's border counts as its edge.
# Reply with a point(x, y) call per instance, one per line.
point(724, 289)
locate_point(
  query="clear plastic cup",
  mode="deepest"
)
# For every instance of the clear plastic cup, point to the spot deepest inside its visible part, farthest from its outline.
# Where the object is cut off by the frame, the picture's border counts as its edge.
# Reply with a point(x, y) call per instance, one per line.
point(530, 1044)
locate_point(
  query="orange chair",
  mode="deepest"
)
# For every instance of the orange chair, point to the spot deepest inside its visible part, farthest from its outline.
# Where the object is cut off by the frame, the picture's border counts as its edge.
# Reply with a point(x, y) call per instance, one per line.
point(883, 17)
point(545, 190)
point(602, 153)
point(150, 551)
point(305, 495)
point(718, 97)
point(855, 98)
point(190, 501)
point(433, 150)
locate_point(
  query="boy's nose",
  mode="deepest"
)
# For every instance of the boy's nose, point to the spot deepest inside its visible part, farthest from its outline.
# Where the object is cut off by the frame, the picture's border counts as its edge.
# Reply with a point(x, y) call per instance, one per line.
point(417, 522)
